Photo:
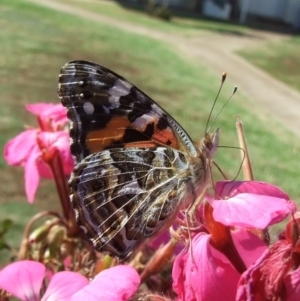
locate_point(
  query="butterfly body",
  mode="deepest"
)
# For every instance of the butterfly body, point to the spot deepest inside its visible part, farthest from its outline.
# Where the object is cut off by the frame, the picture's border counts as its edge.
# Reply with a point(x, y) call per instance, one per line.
point(135, 166)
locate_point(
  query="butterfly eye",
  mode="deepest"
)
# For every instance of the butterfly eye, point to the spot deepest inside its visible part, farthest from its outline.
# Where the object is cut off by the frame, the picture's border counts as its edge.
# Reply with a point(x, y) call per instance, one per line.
point(207, 141)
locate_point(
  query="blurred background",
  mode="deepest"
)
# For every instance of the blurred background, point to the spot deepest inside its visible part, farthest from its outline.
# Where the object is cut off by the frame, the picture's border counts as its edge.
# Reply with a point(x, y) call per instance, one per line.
point(175, 51)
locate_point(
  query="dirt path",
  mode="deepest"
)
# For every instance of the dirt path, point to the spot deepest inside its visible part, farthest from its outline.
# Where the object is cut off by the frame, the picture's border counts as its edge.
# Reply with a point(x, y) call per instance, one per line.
point(216, 51)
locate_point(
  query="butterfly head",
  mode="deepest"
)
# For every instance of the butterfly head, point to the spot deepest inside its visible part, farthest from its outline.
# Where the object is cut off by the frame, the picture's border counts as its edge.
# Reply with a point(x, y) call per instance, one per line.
point(209, 144)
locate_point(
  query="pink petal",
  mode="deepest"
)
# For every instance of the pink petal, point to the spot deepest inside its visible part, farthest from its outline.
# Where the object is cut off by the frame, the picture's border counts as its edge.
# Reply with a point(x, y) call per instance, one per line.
point(209, 277)
point(264, 280)
point(23, 279)
point(63, 285)
point(249, 246)
point(44, 169)
point(62, 144)
point(51, 116)
point(60, 141)
point(32, 177)
point(292, 285)
point(115, 284)
point(231, 188)
point(38, 108)
point(250, 210)
point(57, 113)
point(18, 149)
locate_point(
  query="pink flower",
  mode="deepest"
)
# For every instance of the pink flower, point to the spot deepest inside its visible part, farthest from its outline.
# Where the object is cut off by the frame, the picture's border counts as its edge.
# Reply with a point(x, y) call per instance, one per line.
point(24, 279)
point(276, 275)
point(33, 148)
point(115, 284)
point(251, 204)
point(51, 117)
point(212, 268)
point(209, 277)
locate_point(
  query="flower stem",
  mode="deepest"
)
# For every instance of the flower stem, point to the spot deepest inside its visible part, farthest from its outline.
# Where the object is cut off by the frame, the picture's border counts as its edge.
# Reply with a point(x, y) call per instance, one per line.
point(62, 189)
point(25, 243)
point(247, 169)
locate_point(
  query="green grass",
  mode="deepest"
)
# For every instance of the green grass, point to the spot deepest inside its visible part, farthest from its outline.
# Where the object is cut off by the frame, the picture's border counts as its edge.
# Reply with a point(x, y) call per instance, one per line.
point(37, 41)
point(281, 59)
point(186, 26)
point(20, 218)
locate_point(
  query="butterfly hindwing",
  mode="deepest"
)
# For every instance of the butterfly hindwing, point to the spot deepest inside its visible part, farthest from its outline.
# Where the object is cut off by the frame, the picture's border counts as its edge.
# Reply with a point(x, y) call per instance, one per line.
point(123, 196)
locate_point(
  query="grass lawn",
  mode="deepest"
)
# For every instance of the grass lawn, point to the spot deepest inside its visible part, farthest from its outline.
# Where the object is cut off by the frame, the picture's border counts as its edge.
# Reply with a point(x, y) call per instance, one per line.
point(281, 59)
point(37, 41)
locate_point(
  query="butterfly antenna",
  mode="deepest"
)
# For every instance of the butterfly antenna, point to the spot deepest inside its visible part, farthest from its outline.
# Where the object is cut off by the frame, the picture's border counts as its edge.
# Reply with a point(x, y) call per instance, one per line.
point(215, 101)
point(233, 92)
point(240, 167)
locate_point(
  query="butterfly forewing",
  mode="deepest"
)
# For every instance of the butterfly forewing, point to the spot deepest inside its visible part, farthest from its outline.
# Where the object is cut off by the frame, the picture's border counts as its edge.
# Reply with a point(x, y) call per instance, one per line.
point(107, 111)
point(135, 165)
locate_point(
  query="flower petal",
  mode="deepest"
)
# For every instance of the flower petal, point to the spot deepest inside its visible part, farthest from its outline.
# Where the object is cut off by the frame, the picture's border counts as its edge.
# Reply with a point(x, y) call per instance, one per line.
point(231, 188)
point(292, 284)
point(18, 149)
point(265, 278)
point(115, 284)
point(198, 277)
point(251, 210)
point(38, 108)
point(51, 116)
point(57, 113)
point(62, 144)
point(63, 285)
point(59, 141)
point(32, 177)
point(23, 279)
point(44, 169)
point(249, 246)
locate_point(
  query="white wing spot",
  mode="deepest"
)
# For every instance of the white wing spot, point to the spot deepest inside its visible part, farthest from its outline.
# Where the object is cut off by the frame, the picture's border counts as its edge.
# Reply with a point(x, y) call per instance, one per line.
point(88, 108)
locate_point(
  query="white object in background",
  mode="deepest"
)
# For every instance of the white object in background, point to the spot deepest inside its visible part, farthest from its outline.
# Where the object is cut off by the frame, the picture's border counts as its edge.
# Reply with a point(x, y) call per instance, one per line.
point(244, 4)
point(292, 13)
point(210, 9)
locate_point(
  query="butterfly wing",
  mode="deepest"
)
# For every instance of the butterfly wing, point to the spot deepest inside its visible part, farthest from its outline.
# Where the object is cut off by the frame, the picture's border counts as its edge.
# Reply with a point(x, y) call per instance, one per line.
point(107, 111)
point(123, 196)
point(136, 164)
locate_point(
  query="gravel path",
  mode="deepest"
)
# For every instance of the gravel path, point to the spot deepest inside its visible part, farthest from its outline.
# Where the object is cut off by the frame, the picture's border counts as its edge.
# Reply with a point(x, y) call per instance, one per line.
point(216, 51)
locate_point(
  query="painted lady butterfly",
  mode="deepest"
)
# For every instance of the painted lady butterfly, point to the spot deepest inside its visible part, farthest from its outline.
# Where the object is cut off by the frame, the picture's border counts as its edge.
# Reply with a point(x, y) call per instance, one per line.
point(135, 165)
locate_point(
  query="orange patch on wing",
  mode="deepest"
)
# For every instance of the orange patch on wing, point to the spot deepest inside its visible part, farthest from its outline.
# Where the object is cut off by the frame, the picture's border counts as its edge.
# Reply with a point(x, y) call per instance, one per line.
point(140, 144)
point(101, 139)
point(166, 137)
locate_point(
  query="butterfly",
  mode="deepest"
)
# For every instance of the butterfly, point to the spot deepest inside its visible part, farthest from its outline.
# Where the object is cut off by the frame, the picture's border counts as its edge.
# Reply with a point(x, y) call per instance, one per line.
point(135, 166)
